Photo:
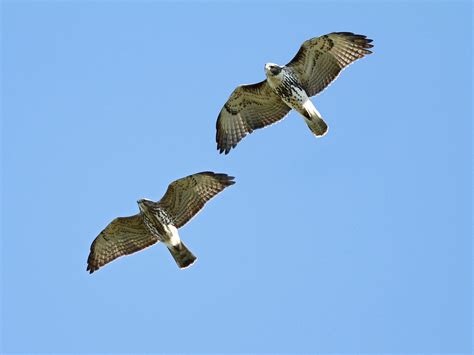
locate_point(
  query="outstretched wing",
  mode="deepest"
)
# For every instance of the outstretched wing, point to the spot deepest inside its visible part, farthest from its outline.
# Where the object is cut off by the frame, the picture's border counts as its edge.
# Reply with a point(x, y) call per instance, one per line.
point(185, 197)
point(123, 236)
point(248, 108)
point(320, 60)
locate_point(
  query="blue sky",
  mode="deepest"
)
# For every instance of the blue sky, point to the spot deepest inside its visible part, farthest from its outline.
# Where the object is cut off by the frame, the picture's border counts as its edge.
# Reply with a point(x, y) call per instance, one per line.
point(356, 242)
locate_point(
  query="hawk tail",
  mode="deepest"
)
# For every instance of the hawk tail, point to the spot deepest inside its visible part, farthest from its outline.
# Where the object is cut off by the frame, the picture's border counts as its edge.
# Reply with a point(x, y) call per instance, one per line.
point(314, 120)
point(317, 126)
point(182, 255)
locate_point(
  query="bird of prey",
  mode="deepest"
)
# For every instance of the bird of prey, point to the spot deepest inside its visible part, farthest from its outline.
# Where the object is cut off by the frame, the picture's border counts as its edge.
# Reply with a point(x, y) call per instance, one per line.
point(158, 221)
point(317, 63)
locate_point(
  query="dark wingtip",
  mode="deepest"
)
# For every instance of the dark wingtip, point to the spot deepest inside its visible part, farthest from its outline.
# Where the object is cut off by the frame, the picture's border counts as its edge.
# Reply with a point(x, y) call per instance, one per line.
point(90, 265)
point(359, 39)
point(225, 179)
point(221, 149)
point(230, 180)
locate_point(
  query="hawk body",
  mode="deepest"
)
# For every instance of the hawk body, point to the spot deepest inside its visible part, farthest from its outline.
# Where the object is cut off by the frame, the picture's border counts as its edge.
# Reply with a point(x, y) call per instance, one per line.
point(158, 221)
point(160, 225)
point(289, 88)
point(155, 219)
point(318, 62)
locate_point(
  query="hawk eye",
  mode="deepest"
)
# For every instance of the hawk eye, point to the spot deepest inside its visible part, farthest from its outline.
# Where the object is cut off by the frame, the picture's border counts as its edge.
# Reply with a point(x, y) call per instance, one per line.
point(274, 70)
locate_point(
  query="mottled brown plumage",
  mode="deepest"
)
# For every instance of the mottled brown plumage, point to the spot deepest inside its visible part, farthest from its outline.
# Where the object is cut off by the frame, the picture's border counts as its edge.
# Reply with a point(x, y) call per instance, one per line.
point(183, 199)
point(317, 63)
point(249, 107)
point(320, 60)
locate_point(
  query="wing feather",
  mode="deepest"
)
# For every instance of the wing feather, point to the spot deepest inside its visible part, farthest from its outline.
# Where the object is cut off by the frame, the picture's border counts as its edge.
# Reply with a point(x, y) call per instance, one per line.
point(248, 108)
point(185, 197)
point(320, 60)
point(123, 236)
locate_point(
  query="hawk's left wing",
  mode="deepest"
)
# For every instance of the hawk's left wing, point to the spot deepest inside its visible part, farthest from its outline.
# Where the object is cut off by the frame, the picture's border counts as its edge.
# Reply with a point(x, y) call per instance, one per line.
point(185, 197)
point(248, 108)
point(123, 236)
point(320, 60)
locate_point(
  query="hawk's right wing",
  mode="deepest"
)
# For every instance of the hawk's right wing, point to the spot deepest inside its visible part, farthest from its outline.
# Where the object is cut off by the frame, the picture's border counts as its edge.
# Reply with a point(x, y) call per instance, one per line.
point(123, 236)
point(248, 108)
point(320, 60)
point(185, 197)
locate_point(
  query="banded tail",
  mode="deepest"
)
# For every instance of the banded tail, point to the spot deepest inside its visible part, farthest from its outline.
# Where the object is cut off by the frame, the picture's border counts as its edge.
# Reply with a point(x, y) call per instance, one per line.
point(182, 255)
point(314, 120)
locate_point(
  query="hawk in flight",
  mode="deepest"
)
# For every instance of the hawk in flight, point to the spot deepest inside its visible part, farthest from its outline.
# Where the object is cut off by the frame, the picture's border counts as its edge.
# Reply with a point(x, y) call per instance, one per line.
point(158, 221)
point(317, 63)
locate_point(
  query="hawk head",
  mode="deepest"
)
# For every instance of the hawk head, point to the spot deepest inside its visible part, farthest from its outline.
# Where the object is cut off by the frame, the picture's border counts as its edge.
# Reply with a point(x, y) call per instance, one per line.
point(272, 69)
point(144, 204)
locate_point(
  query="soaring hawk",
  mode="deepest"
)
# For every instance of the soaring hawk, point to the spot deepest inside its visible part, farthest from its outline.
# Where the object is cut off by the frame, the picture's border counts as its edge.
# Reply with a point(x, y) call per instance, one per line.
point(158, 221)
point(317, 63)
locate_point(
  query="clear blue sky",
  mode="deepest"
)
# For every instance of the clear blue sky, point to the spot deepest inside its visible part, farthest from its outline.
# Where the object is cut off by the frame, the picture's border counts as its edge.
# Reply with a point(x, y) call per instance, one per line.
point(356, 242)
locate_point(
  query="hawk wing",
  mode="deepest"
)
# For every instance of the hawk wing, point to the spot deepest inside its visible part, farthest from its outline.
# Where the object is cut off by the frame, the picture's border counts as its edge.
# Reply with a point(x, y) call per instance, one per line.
point(249, 107)
point(185, 197)
point(123, 236)
point(320, 60)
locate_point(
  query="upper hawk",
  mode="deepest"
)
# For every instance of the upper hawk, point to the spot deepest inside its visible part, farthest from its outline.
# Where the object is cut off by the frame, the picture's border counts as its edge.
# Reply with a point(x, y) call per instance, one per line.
point(317, 63)
point(158, 221)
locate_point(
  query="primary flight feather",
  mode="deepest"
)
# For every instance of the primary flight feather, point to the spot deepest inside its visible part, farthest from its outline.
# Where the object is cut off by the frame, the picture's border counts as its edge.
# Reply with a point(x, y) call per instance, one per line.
point(317, 63)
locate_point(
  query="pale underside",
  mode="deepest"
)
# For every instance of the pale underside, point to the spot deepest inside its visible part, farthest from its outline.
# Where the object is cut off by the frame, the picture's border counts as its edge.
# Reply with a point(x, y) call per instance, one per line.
point(183, 199)
point(318, 62)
